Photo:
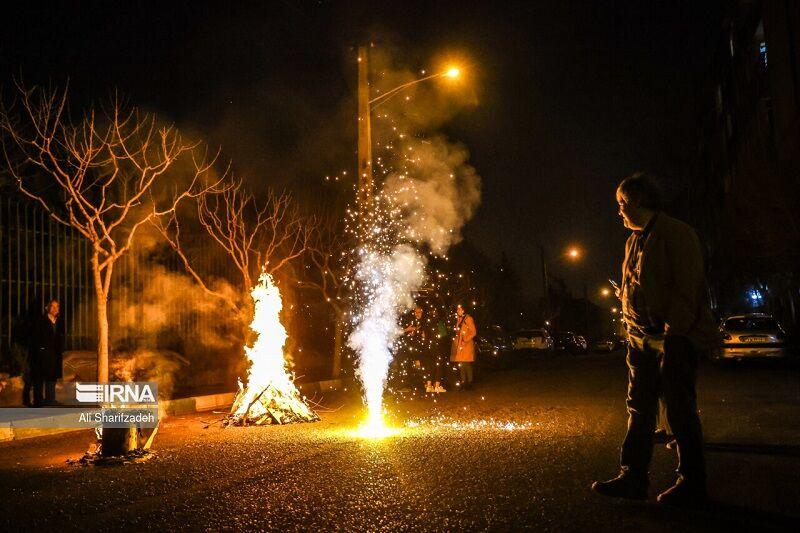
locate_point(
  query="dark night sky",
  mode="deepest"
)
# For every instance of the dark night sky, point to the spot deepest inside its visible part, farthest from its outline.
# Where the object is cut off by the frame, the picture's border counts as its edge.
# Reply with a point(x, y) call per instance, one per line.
point(572, 95)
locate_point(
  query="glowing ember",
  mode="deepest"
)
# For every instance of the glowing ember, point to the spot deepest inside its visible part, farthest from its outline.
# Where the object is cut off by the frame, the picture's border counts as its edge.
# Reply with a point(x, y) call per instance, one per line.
point(270, 395)
point(375, 429)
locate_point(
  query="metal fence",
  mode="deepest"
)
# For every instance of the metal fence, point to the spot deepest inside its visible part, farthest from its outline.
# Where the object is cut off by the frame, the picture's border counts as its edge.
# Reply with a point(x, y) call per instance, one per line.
point(41, 259)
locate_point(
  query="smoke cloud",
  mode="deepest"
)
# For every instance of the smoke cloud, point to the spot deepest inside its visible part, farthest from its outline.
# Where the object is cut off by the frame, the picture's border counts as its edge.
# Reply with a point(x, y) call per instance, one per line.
point(438, 194)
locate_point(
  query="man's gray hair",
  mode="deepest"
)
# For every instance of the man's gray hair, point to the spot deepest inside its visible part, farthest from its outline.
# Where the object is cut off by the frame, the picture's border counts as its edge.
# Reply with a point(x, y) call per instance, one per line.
point(641, 189)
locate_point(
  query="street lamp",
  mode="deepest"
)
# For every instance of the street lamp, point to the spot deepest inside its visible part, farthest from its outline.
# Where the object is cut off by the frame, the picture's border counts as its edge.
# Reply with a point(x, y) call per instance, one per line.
point(452, 73)
point(364, 197)
point(605, 292)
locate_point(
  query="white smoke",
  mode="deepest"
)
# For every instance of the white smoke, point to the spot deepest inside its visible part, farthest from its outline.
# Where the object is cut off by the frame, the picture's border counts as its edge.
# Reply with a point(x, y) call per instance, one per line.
point(438, 193)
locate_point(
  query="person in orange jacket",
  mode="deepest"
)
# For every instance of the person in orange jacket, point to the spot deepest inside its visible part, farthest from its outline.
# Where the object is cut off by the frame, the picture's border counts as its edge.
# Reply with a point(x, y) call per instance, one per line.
point(463, 349)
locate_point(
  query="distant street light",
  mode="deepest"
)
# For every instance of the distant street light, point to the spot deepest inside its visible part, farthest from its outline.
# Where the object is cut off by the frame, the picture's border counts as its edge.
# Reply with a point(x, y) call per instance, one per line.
point(574, 253)
point(605, 292)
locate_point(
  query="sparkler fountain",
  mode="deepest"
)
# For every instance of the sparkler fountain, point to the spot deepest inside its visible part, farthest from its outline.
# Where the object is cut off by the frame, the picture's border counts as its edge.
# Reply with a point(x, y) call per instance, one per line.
point(387, 281)
point(393, 227)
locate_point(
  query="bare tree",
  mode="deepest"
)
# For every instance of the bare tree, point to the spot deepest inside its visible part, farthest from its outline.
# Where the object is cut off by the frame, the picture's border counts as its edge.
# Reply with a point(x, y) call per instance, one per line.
point(327, 264)
point(101, 175)
point(255, 236)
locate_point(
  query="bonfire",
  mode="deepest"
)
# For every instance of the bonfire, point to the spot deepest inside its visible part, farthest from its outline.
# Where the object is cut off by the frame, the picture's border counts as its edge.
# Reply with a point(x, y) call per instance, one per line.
point(270, 396)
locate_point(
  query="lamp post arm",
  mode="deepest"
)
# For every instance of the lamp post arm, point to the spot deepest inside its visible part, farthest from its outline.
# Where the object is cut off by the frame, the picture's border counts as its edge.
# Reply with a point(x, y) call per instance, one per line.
point(399, 88)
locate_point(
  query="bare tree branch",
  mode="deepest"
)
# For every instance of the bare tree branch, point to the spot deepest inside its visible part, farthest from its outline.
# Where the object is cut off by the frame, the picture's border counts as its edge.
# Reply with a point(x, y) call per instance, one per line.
point(100, 174)
point(255, 236)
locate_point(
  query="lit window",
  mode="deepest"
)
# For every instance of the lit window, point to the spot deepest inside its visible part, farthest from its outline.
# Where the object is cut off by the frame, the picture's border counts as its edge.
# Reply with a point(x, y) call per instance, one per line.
point(756, 297)
point(762, 54)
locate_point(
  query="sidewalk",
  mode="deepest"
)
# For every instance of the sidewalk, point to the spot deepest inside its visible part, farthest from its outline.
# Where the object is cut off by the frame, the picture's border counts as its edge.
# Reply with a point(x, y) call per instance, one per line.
point(175, 407)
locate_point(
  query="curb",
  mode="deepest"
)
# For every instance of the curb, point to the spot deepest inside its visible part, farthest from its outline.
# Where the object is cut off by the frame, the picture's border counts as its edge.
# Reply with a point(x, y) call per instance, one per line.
point(176, 407)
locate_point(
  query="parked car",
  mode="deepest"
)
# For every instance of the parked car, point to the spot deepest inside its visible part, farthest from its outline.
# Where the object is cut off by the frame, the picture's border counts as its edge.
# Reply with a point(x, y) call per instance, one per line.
point(567, 341)
point(754, 335)
point(533, 339)
point(609, 345)
point(493, 340)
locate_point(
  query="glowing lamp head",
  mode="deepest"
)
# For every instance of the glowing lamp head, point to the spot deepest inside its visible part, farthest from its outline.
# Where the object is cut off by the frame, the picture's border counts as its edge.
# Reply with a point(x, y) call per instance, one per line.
point(573, 253)
point(453, 72)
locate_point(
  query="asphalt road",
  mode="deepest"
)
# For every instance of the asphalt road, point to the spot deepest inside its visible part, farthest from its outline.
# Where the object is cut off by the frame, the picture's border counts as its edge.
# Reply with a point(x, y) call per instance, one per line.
point(458, 468)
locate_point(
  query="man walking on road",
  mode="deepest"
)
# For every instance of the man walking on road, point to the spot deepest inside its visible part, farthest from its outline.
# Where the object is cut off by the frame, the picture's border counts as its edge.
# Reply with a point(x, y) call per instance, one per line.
point(666, 313)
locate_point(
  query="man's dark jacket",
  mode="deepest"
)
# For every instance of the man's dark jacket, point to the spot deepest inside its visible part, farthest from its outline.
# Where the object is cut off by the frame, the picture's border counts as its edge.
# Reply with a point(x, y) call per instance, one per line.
point(672, 281)
point(46, 349)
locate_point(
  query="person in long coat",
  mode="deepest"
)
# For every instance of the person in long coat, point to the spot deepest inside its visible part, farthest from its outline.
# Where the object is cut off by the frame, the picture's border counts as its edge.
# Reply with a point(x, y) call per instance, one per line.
point(463, 350)
point(46, 354)
point(668, 318)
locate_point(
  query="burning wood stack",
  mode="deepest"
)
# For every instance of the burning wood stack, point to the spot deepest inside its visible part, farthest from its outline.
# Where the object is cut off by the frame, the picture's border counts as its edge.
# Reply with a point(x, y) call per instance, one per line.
point(270, 396)
point(270, 406)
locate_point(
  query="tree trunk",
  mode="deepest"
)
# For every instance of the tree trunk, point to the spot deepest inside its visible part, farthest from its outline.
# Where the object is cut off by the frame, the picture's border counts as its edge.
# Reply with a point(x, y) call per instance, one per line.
point(102, 321)
point(338, 342)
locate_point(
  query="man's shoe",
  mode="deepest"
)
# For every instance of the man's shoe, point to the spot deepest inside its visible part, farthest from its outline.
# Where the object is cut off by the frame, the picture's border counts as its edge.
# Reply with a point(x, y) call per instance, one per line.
point(625, 485)
point(684, 494)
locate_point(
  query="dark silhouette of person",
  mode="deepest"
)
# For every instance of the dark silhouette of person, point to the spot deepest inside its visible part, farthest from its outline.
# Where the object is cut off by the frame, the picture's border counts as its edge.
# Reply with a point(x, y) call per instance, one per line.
point(23, 330)
point(45, 355)
point(668, 319)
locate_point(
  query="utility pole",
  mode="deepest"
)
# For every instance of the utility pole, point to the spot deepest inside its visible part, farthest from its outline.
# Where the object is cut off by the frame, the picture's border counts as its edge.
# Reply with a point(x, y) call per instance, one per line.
point(586, 308)
point(545, 284)
point(365, 183)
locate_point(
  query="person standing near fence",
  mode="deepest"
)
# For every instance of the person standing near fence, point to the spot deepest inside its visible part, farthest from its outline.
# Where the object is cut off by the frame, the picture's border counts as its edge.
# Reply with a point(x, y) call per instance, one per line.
point(45, 355)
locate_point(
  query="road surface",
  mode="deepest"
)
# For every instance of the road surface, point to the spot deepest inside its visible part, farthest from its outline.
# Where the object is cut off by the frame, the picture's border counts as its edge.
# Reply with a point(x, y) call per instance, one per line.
point(460, 466)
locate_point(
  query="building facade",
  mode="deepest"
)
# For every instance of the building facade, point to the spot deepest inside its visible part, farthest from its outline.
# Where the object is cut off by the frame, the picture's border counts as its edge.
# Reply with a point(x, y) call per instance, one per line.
point(746, 198)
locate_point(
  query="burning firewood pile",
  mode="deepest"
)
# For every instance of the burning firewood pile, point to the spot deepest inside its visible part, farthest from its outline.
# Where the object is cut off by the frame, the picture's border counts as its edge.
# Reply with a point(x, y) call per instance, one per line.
point(270, 406)
point(270, 396)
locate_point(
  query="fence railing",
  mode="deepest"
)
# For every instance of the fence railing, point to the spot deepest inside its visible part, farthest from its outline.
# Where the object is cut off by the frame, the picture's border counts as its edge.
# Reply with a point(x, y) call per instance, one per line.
point(41, 259)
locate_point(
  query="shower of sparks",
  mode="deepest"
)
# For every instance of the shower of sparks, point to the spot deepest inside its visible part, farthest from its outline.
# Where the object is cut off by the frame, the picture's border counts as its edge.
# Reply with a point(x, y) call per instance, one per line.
point(389, 271)
point(443, 422)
